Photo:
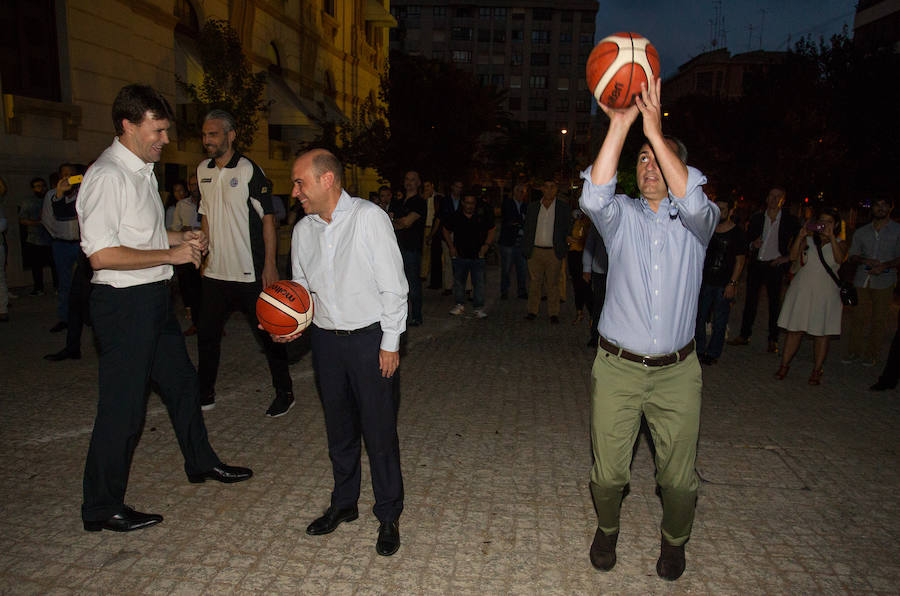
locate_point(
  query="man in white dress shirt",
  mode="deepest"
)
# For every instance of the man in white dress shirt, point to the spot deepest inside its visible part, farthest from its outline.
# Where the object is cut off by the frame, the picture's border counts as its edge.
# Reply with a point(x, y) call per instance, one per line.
point(124, 236)
point(345, 253)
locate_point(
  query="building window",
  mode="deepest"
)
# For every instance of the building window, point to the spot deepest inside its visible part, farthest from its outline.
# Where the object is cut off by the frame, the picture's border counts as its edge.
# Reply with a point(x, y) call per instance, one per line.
point(439, 11)
point(515, 82)
point(500, 11)
point(588, 16)
point(562, 84)
point(565, 37)
point(565, 58)
point(565, 16)
point(586, 38)
point(540, 59)
point(515, 103)
point(542, 14)
point(484, 80)
point(581, 127)
point(582, 59)
point(537, 82)
point(438, 55)
point(414, 10)
point(462, 56)
point(517, 35)
point(582, 105)
point(515, 59)
point(461, 34)
point(562, 104)
point(463, 12)
point(328, 6)
point(497, 80)
point(29, 60)
point(540, 36)
point(537, 104)
point(500, 36)
point(484, 12)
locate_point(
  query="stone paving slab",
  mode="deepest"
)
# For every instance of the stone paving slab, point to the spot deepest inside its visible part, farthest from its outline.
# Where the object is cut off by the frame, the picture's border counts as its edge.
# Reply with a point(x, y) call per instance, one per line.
point(799, 491)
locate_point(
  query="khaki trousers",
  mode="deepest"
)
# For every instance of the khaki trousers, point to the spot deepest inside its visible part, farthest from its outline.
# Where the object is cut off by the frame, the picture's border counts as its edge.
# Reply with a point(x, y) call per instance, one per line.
point(669, 398)
point(867, 322)
point(543, 271)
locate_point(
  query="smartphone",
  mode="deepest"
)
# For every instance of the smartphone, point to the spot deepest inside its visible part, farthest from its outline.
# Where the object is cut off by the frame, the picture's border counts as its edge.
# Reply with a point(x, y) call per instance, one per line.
point(73, 180)
point(815, 226)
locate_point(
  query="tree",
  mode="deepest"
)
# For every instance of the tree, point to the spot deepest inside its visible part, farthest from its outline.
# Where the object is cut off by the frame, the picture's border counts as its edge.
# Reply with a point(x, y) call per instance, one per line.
point(228, 84)
point(430, 118)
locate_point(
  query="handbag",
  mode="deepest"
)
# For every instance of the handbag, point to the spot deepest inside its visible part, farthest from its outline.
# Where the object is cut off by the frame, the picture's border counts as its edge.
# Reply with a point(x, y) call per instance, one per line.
point(849, 297)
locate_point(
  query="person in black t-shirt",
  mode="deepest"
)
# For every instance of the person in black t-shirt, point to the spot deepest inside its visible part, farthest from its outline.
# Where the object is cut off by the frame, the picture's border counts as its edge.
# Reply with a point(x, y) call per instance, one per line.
point(724, 262)
point(408, 215)
point(469, 233)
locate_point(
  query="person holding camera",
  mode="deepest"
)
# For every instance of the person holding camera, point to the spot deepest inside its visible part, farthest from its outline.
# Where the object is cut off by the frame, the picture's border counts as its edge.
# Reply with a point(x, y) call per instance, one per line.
point(812, 304)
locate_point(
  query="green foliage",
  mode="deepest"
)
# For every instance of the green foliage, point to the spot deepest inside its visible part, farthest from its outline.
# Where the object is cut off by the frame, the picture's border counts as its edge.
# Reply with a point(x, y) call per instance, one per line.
point(229, 83)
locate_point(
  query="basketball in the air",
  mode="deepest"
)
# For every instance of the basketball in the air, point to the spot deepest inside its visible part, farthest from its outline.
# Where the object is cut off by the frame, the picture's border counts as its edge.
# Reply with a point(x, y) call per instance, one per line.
point(618, 65)
point(284, 308)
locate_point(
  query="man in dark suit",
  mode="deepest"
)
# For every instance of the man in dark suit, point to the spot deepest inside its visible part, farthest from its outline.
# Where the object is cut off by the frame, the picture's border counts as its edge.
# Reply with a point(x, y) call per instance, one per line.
point(770, 233)
point(544, 245)
point(512, 228)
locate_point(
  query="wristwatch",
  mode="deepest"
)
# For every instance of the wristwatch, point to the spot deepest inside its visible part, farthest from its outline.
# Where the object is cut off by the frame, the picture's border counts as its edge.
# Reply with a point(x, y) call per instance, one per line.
point(732, 282)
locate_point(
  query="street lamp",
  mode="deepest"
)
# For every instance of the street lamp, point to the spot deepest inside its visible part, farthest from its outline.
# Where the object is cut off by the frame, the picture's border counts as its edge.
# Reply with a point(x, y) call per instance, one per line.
point(562, 149)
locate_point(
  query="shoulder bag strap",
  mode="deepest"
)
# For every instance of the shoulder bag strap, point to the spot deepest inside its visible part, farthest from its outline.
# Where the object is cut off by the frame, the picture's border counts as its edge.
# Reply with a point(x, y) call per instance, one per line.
point(824, 264)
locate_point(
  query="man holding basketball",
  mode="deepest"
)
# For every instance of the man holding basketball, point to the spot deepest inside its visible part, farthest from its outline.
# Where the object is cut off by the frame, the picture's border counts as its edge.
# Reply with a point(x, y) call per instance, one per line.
point(123, 235)
point(346, 255)
point(646, 363)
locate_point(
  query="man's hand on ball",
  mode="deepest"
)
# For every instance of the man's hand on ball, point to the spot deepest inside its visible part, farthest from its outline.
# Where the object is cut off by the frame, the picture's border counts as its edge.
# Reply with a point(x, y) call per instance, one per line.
point(625, 116)
point(283, 339)
point(648, 102)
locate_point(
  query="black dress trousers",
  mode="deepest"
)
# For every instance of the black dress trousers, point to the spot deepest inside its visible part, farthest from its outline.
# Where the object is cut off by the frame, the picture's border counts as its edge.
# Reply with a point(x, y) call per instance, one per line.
point(359, 403)
point(139, 340)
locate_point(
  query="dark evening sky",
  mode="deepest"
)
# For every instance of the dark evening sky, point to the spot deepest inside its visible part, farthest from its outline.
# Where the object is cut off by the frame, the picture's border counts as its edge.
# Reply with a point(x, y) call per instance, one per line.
point(682, 29)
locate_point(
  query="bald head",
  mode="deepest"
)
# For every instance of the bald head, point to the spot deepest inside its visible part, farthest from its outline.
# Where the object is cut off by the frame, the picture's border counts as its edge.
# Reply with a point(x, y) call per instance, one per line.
point(317, 177)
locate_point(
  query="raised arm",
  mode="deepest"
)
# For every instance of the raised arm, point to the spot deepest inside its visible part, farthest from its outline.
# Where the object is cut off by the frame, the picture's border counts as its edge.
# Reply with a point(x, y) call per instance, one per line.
point(674, 171)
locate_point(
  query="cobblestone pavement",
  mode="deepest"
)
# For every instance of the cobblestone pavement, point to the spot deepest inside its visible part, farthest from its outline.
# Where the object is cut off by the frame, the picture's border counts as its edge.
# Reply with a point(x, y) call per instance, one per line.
point(799, 490)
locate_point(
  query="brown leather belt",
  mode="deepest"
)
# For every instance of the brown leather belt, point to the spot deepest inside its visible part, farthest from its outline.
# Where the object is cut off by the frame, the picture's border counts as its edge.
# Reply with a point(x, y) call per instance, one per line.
point(663, 360)
point(366, 329)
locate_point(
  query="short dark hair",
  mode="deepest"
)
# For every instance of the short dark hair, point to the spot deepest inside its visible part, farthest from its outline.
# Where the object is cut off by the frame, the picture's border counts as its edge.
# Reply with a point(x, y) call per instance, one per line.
point(182, 182)
point(66, 164)
point(326, 162)
point(134, 101)
point(728, 201)
point(383, 187)
point(37, 179)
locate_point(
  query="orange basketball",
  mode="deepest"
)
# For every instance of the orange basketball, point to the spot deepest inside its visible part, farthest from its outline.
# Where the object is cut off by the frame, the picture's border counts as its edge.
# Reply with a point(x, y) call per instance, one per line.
point(284, 308)
point(618, 65)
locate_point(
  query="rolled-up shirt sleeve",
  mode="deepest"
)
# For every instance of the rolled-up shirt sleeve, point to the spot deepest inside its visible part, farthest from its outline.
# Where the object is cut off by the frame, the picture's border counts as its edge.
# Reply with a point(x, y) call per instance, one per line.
point(100, 209)
point(393, 290)
point(597, 201)
point(698, 214)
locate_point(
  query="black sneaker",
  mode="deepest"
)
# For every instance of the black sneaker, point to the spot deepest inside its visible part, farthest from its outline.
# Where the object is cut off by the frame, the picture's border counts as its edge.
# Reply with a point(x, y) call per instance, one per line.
point(283, 402)
point(208, 402)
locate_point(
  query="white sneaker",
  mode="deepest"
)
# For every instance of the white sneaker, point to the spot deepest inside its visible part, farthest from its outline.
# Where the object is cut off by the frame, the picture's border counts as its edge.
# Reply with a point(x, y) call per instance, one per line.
point(457, 310)
point(480, 314)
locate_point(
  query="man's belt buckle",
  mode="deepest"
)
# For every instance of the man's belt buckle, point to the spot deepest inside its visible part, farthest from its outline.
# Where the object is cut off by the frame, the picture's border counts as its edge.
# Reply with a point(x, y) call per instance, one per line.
point(343, 332)
point(646, 360)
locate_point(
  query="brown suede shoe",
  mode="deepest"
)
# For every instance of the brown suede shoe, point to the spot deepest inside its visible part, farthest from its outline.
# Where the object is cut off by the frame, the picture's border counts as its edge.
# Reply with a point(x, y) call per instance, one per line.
point(670, 564)
point(603, 550)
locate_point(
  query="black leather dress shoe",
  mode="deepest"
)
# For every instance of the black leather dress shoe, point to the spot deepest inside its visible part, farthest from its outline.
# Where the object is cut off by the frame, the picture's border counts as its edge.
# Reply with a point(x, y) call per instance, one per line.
point(670, 564)
point(223, 473)
point(331, 519)
point(125, 521)
point(388, 539)
point(62, 355)
point(603, 550)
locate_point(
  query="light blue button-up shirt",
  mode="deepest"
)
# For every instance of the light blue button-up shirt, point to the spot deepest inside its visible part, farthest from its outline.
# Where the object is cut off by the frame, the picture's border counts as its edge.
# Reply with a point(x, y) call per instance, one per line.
point(352, 269)
point(655, 263)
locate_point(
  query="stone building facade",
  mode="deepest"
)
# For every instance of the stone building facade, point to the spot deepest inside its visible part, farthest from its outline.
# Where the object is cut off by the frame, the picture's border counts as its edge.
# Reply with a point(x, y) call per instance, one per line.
point(63, 61)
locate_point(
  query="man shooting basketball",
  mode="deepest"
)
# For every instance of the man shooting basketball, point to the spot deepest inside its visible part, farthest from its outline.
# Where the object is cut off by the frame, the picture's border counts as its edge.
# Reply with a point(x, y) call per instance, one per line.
point(646, 363)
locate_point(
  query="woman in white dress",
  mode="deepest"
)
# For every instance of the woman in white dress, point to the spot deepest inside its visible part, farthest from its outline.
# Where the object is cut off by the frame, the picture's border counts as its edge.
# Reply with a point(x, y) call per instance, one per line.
point(812, 304)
